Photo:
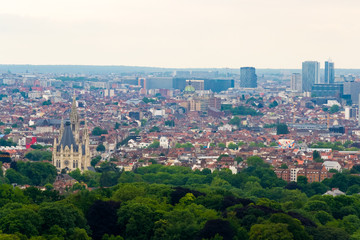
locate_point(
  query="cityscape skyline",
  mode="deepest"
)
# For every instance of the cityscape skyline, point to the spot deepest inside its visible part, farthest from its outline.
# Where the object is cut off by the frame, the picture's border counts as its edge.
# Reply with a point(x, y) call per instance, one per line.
point(192, 119)
point(167, 34)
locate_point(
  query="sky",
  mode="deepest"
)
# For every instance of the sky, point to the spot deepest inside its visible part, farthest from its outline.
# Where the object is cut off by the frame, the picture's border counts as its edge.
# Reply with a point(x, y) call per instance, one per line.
point(180, 33)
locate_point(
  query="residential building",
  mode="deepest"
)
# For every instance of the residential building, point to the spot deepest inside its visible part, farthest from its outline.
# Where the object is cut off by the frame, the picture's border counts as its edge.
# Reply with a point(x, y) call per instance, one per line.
point(215, 102)
point(296, 82)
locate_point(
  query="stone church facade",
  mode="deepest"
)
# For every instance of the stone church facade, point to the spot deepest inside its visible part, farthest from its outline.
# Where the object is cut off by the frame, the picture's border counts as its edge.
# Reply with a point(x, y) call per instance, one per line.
point(71, 150)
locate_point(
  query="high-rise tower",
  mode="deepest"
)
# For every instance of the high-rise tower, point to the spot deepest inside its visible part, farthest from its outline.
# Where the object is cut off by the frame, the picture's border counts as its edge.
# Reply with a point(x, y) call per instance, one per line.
point(248, 78)
point(329, 72)
point(296, 83)
point(310, 75)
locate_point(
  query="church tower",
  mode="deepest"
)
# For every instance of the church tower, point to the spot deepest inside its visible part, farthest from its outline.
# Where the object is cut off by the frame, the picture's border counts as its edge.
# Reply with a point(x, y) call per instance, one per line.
point(74, 119)
point(71, 152)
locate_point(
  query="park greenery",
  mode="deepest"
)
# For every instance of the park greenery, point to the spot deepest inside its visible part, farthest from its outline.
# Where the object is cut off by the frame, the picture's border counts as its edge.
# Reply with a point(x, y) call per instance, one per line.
point(184, 145)
point(270, 125)
point(282, 128)
point(337, 146)
point(148, 100)
point(39, 146)
point(240, 110)
point(235, 121)
point(273, 104)
point(154, 144)
point(2, 96)
point(7, 142)
point(334, 108)
point(39, 155)
point(154, 129)
point(173, 202)
point(100, 148)
point(97, 131)
point(170, 123)
point(47, 102)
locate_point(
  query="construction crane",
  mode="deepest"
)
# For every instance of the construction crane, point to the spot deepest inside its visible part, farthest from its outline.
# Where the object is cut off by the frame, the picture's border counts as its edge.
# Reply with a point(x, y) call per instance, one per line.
point(328, 117)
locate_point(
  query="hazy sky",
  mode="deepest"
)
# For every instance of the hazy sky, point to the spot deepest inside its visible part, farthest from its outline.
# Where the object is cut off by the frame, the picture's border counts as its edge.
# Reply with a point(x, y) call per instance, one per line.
point(180, 33)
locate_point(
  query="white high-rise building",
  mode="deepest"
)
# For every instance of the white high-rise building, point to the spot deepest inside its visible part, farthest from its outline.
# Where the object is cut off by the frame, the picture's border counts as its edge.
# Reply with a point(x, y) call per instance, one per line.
point(296, 82)
point(347, 112)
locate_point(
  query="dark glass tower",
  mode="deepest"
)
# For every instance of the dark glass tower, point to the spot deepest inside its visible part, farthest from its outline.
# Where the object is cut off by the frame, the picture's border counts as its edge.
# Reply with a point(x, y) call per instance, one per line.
point(329, 72)
point(310, 75)
point(248, 78)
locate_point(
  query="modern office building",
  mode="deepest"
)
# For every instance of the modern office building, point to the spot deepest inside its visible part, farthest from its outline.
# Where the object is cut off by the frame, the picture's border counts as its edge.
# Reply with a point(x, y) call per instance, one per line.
point(350, 112)
point(329, 72)
point(310, 75)
point(327, 90)
point(197, 84)
point(248, 78)
point(215, 103)
point(215, 85)
point(218, 85)
point(158, 82)
point(179, 83)
point(142, 82)
point(296, 82)
point(352, 89)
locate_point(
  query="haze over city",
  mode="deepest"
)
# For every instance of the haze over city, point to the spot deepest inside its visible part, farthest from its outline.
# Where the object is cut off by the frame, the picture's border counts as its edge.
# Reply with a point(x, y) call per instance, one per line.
point(187, 120)
point(265, 34)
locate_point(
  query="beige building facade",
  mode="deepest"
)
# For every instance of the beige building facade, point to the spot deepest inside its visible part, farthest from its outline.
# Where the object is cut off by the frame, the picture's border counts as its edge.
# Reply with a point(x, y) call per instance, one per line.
point(71, 150)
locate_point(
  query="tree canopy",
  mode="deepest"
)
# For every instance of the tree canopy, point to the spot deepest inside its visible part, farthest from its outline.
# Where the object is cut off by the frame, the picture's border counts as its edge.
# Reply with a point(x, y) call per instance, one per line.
point(97, 131)
point(174, 202)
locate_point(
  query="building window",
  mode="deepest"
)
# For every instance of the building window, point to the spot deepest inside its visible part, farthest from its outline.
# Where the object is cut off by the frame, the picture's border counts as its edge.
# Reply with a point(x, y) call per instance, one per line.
point(75, 164)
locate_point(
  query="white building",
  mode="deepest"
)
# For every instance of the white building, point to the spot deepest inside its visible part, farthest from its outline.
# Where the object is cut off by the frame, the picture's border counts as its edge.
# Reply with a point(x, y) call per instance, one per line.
point(44, 129)
point(164, 142)
point(226, 127)
point(157, 112)
point(296, 82)
point(332, 165)
point(334, 192)
point(9, 81)
point(293, 174)
point(35, 95)
point(347, 113)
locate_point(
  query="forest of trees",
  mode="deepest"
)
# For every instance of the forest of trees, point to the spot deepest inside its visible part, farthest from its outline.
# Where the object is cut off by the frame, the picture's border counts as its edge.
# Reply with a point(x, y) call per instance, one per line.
point(172, 202)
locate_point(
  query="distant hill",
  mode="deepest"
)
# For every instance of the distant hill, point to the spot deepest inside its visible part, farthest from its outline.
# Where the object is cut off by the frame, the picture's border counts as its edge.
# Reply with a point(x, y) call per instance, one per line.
point(96, 69)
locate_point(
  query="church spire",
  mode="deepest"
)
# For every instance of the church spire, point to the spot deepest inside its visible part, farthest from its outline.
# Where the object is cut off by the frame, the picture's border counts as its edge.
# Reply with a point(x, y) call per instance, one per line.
point(85, 132)
point(61, 127)
point(74, 119)
point(73, 106)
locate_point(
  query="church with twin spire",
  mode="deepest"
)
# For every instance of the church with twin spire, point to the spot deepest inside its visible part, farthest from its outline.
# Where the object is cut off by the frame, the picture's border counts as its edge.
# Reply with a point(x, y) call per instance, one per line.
point(71, 150)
